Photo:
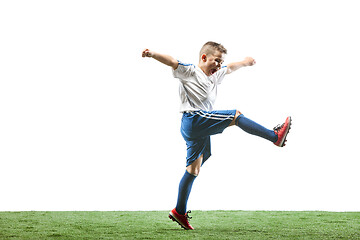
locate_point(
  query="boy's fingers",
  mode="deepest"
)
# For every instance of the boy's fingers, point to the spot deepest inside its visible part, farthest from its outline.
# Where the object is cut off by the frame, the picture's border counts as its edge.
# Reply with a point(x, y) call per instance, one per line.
point(146, 53)
point(251, 61)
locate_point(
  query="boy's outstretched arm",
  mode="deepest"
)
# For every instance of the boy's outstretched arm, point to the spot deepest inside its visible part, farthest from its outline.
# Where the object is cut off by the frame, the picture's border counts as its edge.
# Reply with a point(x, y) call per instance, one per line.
point(248, 61)
point(165, 59)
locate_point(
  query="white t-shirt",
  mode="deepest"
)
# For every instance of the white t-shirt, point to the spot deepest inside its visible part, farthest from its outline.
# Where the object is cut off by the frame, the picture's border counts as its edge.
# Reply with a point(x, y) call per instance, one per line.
point(197, 90)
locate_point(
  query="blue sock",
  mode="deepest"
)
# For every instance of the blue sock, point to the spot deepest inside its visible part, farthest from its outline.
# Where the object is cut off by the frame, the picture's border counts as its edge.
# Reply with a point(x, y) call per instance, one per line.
point(184, 192)
point(253, 128)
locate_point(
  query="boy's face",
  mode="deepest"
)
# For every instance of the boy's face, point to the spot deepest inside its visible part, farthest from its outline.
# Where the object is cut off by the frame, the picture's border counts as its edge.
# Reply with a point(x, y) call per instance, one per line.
point(211, 63)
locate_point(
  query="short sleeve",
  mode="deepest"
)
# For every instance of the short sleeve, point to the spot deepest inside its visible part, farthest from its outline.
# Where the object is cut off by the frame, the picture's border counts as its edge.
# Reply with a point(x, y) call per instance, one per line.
point(184, 70)
point(221, 74)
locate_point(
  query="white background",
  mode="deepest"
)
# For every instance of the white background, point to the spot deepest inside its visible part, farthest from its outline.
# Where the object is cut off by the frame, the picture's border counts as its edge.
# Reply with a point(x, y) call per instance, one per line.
point(87, 124)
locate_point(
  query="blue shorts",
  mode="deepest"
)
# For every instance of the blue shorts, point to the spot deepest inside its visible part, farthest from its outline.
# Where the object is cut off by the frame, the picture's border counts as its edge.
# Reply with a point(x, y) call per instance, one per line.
point(198, 126)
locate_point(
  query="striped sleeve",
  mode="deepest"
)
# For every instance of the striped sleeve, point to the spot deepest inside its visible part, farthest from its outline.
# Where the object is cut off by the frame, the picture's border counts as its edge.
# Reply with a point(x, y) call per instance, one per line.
point(183, 70)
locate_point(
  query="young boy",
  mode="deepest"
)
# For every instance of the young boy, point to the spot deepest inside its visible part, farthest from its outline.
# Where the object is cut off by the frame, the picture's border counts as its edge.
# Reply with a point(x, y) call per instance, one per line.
point(198, 88)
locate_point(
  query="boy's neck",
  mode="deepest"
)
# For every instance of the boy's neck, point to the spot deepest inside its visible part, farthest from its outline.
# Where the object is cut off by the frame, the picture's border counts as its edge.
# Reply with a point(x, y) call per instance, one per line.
point(201, 66)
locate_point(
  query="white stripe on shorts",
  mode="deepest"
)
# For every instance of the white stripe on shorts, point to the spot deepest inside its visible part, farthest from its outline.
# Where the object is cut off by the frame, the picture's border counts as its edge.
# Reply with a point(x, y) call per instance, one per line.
point(214, 116)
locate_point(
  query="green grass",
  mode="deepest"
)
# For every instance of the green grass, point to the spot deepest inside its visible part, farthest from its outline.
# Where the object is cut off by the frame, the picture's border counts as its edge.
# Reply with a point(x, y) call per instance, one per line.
point(156, 225)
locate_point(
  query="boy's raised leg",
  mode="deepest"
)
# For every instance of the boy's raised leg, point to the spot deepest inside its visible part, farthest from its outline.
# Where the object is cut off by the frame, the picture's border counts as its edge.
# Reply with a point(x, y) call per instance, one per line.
point(277, 135)
point(254, 128)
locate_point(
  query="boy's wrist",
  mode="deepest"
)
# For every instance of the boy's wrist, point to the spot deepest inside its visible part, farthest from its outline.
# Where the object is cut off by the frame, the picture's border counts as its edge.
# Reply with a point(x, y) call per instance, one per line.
point(152, 54)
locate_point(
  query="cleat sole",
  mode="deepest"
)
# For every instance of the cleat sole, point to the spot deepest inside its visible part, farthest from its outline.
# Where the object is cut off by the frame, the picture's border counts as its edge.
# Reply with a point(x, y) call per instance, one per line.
point(175, 220)
point(288, 130)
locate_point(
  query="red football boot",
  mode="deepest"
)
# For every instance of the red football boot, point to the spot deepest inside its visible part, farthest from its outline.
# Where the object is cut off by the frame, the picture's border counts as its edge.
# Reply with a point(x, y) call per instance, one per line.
point(182, 220)
point(282, 131)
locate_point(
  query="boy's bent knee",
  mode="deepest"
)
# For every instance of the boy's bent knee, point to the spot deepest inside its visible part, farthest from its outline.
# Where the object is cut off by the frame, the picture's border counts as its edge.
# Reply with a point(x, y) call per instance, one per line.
point(194, 168)
point(193, 171)
point(237, 114)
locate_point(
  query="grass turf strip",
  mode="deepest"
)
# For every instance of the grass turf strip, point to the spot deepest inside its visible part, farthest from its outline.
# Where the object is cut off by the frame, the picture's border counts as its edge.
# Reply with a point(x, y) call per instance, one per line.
point(156, 225)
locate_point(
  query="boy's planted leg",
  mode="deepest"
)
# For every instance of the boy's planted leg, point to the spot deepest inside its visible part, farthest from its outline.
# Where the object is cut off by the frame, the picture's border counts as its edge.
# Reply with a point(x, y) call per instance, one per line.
point(179, 213)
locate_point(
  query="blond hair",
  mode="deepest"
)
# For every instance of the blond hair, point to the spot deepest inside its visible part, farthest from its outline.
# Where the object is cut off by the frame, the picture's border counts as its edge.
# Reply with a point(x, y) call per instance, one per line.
point(209, 48)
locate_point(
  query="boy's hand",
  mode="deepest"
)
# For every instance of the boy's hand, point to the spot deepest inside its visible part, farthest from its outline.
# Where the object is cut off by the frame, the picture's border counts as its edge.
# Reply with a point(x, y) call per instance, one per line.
point(147, 53)
point(249, 61)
